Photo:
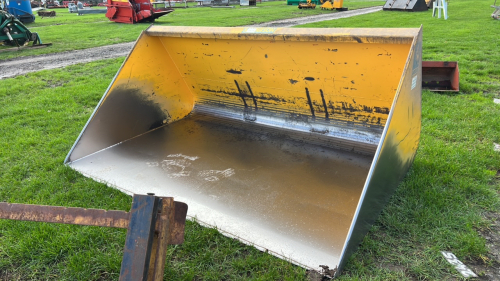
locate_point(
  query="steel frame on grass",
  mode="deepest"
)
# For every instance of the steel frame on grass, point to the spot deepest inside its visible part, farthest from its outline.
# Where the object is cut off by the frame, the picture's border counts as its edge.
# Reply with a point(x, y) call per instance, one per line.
point(152, 224)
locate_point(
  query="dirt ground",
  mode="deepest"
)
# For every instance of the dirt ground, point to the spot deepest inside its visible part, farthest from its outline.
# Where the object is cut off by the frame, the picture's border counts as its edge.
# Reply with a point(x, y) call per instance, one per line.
point(318, 18)
point(23, 65)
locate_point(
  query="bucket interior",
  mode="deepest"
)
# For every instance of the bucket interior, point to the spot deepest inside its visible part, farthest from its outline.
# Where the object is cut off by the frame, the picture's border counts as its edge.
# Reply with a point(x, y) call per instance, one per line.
point(268, 138)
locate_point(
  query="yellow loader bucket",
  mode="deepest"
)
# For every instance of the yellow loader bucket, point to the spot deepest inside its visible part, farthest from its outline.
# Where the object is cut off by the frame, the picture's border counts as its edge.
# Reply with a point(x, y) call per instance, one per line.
point(290, 140)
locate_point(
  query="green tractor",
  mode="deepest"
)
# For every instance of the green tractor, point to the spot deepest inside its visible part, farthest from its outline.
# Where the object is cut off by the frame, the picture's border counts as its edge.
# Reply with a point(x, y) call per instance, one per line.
point(14, 33)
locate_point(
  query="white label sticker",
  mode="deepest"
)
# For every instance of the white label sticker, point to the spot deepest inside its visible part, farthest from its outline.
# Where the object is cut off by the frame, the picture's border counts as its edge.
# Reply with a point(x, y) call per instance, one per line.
point(462, 268)
point(414, 82)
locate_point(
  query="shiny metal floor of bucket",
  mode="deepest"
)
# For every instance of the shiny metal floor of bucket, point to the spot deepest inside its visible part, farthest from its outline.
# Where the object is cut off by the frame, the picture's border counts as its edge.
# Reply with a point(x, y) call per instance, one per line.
point(289, 197)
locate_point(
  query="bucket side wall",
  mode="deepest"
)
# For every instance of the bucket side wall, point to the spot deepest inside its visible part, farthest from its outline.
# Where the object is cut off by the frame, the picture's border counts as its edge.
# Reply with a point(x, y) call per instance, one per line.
point(147, 92)
point(395, 154)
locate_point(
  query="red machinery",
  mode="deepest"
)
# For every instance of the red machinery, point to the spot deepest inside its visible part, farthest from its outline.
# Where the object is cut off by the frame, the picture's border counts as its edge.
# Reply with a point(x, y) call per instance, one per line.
point(132, 11)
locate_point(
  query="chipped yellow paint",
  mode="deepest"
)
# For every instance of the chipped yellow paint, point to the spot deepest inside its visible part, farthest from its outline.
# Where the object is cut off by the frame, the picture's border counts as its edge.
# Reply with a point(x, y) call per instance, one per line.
point(356, 72)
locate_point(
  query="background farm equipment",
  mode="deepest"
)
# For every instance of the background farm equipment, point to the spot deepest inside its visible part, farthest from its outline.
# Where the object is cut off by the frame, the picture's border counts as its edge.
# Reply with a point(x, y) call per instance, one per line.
point(496, 13)
point(170, 4)
point(440, 76)
point(308, 5)
point(297, 2)
point(20, 9)
point(14, 33)
point(333, 4)
point(132, 11)
point(407, 5)
point(44, 14)
point(80, 9)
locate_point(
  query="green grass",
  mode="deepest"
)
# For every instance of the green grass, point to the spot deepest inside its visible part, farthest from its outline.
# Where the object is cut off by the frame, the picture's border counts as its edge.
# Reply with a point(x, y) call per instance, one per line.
point(438, 206)
point(452, 181)
point(68, 31)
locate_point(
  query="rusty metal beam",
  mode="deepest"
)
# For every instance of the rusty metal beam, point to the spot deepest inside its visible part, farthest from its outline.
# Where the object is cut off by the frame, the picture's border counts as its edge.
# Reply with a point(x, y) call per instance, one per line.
point(54, 214)
point(90, 217)
point(161, 240)
point(139, 240)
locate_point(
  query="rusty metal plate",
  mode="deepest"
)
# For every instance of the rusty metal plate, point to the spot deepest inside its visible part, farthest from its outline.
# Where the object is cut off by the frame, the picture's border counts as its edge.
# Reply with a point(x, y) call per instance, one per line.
point(177, 233)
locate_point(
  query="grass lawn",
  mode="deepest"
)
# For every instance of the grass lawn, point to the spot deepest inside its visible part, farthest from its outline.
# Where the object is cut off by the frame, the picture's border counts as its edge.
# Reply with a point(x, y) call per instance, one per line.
point(441, 205)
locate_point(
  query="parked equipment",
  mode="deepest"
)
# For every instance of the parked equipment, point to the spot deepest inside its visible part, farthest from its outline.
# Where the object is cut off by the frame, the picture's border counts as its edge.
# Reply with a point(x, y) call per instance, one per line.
point(496, 13)
point(21, 9)
point(72, 8)
point(247, 2)
point(332, 4)
point(294, 154)
point(91, 11)
point(54, 4)
point(439, 76)
point(14, 33)
point(82, 10)
point(44, 14)
point(406, 5)
point(308, 5)
point(297, 2)
point(132, 11)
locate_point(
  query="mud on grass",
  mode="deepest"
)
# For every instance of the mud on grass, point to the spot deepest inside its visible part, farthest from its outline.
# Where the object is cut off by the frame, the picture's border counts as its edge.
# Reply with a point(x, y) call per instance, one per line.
point(487, 267)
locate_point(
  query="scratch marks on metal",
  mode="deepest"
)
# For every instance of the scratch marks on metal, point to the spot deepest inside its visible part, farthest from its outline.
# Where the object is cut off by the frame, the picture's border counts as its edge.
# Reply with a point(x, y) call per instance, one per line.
point(309, 102)
point(192, 158)
point(251, 93)
point(178, 165)
point(176, 168)
point(314, 104)
point(215, 175)
point(242, 95)
point(324, 103)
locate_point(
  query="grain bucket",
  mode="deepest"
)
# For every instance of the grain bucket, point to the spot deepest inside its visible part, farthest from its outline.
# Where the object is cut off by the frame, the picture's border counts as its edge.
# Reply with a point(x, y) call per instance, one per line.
point(291, 140)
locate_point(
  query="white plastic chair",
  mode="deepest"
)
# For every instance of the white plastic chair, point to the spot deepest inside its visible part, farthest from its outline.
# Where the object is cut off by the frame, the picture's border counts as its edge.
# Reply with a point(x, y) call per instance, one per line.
point(440, 5)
